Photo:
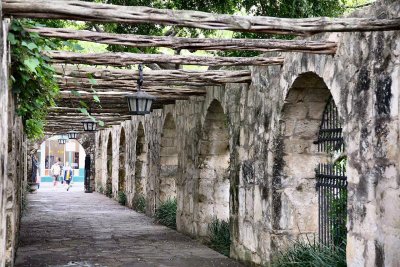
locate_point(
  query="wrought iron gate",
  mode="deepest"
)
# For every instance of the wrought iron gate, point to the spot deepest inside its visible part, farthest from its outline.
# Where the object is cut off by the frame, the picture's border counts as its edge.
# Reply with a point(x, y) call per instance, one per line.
point(331, 180)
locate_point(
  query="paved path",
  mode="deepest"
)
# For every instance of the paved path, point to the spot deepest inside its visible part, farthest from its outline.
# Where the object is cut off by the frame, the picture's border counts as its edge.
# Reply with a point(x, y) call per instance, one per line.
point(72, 228)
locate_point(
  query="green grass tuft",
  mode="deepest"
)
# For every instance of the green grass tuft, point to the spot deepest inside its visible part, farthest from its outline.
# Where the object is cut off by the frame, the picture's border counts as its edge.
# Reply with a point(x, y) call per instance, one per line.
point(166, 213)
point(220, 236)
point(121, 198)
point(139, 203)
point(108, 191)
point(310, 254)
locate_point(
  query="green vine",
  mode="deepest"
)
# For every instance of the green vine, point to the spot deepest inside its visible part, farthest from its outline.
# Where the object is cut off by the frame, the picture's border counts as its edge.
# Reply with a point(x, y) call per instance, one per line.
point(32, 76)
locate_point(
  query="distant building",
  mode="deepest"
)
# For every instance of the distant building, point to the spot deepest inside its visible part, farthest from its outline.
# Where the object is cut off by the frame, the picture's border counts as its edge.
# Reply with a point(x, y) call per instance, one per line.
point(71, 152)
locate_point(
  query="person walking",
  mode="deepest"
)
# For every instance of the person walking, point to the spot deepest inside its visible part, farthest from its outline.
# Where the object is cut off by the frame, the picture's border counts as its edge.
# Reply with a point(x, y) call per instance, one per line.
point(56, 171)
point(68, 175)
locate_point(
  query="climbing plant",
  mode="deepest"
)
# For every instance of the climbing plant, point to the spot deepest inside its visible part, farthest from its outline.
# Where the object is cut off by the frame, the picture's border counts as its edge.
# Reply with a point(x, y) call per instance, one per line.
point(32, 77)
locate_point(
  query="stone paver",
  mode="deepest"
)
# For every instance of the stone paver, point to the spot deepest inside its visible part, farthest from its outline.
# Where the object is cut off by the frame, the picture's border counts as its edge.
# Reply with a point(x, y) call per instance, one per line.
point(72, 228)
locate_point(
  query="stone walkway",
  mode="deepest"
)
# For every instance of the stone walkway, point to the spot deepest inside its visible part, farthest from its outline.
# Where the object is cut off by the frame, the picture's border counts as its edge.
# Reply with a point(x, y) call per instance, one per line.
point(72, 228)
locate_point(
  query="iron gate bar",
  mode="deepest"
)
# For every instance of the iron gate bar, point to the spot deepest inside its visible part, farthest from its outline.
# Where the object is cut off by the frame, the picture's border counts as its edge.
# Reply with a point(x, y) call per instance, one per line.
point(331, 180)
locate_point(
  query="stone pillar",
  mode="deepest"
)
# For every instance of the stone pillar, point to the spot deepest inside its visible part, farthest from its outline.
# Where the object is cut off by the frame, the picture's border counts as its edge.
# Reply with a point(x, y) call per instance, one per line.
point(87, 140)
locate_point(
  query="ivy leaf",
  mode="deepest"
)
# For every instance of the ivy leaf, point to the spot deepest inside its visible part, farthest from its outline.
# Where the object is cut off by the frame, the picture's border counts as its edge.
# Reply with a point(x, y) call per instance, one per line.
point(32, 46)
point(84, 111)
point(92, 81)
point(31, 63)
point(75, 93)
point(83, 104)
point(11, 38)
point(101, 123)
point(96, 98)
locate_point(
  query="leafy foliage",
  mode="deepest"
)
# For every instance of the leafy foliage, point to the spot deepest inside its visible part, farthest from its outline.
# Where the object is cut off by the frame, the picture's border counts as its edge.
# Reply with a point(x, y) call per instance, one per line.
point(108, 190)
point(121, 198)
point(139, 203)
point(310, 254)
point(166, 213)
point(220, 236)
point(32, 76)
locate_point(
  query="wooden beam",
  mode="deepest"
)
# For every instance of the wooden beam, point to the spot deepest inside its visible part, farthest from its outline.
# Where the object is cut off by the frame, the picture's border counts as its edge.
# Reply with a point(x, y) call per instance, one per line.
point(126, 90)
point(86, 11)
point(179, 43)
point(105, 95)
point(157, 77)
point(127, 59)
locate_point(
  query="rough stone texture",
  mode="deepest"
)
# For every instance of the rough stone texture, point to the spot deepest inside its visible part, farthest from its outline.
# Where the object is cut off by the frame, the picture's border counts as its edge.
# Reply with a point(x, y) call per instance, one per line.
point(76, 232)
point(15, 184)
point(13, 159)
point(271, 125)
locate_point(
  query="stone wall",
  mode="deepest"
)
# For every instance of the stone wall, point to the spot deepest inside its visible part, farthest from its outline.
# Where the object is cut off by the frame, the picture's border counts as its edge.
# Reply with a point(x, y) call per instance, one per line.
point(257, 141)
point(13, 159)
point(17, 162)
point(3, 139)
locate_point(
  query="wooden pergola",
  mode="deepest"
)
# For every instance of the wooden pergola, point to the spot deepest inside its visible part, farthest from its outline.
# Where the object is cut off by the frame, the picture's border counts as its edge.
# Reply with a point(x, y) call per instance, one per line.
point(79, 82)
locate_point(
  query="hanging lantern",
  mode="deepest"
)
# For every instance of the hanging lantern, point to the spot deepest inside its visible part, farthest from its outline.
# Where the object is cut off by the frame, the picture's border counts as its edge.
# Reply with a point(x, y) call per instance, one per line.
point(62, 140)
point(72, 134)
point(89, 126)
point(140, 102)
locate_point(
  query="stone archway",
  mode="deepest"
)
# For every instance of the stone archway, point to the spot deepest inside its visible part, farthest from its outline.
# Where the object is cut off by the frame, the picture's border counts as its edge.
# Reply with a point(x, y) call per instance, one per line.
point(294, 198)
point(213, 183)
point(108, 191)
point(169, 160)
point(122, 162)
point(141, 162)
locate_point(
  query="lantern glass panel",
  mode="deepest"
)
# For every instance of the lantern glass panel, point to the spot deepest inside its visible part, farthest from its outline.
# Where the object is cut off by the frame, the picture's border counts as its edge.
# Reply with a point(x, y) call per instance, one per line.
point(139, 103)
point(89, 126)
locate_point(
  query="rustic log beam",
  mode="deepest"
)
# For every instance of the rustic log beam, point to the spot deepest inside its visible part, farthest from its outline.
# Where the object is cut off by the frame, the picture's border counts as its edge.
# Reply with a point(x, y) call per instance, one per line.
point(86, 11)
point(179, 43)
point(158, 77)
point(105, 93)
point(126, 90)
point(117, 98)
point(127, 59)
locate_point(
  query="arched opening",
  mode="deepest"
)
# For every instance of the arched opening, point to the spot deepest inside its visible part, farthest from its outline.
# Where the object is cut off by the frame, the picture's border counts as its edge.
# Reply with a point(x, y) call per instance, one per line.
point(122, 165)
point(70, 154)
point(295, 204)
point(140, 164)
point(169, 160)
point(213, 183)
point(109, 167)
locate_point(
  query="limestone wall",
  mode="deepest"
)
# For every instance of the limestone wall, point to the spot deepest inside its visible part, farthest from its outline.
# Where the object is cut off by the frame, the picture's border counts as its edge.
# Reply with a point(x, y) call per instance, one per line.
point(16, 174)
point(13, 160)
point(270, 161)
point(3, 140)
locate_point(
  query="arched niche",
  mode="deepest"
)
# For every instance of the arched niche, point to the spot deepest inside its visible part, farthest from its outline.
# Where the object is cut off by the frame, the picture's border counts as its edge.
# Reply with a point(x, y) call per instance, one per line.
point(294, 198)
point(108, 189)
point(141, 161)
point(122, 162)
point(169, 160)
point(213, 182)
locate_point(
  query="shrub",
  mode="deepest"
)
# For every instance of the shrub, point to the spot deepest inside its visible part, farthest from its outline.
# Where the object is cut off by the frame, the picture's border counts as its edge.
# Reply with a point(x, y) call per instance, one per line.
point(108, 191)
point(101, 190)
point(121, 198)
point(139, 203)
point(310, 254)
point(166, 213)
point(220, 236)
